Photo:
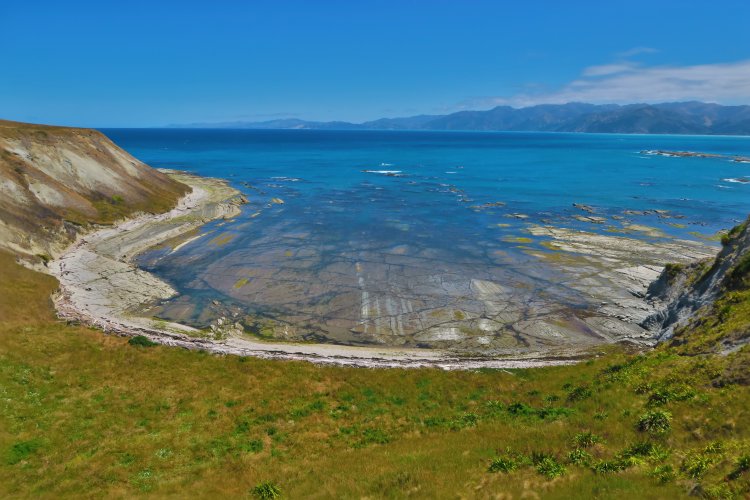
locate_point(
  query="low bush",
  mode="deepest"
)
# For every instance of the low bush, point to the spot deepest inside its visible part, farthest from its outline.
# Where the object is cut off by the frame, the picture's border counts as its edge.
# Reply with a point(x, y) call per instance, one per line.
point(503, 464)
point(586, 439)
point(579, 457)
point(550, 467)
point(655, 422)
point(141, 341)
point(267, 491)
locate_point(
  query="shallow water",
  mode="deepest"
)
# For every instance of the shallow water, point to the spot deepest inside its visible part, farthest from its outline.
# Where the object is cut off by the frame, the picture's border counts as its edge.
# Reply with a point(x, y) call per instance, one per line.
point(417, 238)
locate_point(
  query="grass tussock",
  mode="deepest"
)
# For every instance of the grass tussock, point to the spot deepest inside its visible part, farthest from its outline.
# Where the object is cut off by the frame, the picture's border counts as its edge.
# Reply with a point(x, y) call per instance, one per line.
point(85, 414)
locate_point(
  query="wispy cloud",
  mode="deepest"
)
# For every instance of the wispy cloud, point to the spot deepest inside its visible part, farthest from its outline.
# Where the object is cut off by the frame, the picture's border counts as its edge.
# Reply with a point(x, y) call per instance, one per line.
point(637, 51)
point(628, 82)
point(609, 69)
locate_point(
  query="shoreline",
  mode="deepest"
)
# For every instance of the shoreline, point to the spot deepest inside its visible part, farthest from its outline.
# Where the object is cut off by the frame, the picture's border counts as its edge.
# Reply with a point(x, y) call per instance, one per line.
point(101, 287)
point(99, 284)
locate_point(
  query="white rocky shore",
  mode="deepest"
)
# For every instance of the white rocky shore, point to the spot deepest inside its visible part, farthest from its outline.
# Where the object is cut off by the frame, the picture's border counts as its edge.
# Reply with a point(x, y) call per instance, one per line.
point(100, 286)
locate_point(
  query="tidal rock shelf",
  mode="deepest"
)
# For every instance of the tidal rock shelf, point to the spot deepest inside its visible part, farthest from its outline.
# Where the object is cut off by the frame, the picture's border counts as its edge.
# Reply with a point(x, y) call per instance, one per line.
point(101, 286)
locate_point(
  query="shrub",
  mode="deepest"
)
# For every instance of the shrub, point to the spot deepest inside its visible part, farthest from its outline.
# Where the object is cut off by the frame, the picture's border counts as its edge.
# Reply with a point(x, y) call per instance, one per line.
point(586, 439)
point(664, 395)
point(373, 436)
point(655, 422)
point(267, 491)
point(550, 467)
point(663, 473)
point(714, 448)
point(579, 393)
point(254, 446)
point(503, 464)
point(742, 465)
point(553, 412)
point(644, 449)
point(21, 451)
point(607, 466)
point(579, 457)
point(695, 465)
point(673, 270)
point(463, 421)
point(720, 491)
point(141, 341)
point(520, 409)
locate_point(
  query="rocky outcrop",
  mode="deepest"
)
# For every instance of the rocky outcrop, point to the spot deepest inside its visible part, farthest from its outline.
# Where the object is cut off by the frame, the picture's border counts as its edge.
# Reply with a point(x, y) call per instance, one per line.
point(693, 291)
point(56, 182)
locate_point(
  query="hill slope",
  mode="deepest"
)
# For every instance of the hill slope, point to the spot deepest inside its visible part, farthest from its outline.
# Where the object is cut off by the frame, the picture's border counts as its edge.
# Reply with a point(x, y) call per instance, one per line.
point(708, 301)
point(55, 181)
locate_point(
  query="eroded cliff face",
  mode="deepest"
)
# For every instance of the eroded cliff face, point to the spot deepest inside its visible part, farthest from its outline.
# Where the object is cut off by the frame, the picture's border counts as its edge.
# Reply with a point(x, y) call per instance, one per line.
point(708, 302)
point(56, 182)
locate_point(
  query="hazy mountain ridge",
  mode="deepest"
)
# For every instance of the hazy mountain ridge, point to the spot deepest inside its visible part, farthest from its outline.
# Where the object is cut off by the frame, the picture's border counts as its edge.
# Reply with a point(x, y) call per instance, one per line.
point(666, 118)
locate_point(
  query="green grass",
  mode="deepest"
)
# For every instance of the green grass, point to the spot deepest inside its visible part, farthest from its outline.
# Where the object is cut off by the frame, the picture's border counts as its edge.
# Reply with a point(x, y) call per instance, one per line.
point(86, 414)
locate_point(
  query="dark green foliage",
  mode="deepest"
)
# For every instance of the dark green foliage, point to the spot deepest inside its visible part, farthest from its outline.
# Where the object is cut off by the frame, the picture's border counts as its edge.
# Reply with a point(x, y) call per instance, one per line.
point(550, 467)
point(579, 457)
point(463, 421)
point(673, 270)
point(373, 436)
point(607, 466)
point(253, 446)
point(655, 422)
point(586, 439)
point(695, 465)
point(739, 274)
point(141, 341)
point(667, 393)
point(503, 464)
point(548, 412)
point(663, 473)
point(266, 491)
point(21, 451)
point(579, 393)
point(741, 466)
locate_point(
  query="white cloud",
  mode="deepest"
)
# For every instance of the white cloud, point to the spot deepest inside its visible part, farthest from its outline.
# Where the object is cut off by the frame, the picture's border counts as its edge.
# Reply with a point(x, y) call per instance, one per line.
point(636, 51)
point(626, 82)
point(608, 69)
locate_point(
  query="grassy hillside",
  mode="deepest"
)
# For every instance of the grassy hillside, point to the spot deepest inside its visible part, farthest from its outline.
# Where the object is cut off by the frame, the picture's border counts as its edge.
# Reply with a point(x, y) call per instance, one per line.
point(84, 414)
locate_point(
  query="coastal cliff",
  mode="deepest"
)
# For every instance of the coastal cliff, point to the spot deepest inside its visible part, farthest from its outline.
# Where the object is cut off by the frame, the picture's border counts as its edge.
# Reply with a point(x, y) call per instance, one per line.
point(56, 182)
point(708, 301)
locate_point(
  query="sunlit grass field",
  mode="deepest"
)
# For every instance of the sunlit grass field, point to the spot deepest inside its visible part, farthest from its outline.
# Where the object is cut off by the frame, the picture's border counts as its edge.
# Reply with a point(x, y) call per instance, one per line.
point(86, 414)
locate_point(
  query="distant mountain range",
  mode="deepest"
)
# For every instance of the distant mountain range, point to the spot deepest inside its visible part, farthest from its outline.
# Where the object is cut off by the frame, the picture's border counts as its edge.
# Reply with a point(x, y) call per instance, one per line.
point(667, 118)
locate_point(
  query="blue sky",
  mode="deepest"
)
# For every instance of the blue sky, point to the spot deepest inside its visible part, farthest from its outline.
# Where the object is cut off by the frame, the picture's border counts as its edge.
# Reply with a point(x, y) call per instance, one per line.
point(153, 63)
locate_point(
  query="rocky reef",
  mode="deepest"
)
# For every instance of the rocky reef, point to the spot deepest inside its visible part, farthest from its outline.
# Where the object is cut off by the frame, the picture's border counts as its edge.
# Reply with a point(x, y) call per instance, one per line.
point(56, 182)
point(708, 298)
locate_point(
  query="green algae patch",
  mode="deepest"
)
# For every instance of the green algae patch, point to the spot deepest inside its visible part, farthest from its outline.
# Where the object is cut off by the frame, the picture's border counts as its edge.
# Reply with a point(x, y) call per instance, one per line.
point(517, 239)
point(708, 237)
point(551, 245)
point(222, 239)
point(241, 282)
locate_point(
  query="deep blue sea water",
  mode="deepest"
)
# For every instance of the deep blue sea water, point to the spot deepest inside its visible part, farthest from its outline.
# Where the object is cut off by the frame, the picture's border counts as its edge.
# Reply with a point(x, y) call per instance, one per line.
point(445, 202)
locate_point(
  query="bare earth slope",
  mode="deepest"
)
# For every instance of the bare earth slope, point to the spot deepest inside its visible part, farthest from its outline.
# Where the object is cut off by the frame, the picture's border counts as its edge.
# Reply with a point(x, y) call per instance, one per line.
point(708, 301)
point(57, 181)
